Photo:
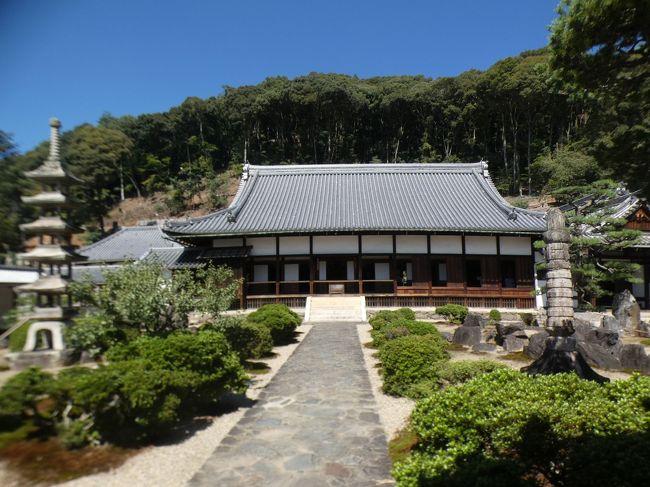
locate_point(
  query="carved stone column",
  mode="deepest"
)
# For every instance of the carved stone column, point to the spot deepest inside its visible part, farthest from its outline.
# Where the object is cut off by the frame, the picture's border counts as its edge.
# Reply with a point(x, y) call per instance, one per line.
point(560, 354)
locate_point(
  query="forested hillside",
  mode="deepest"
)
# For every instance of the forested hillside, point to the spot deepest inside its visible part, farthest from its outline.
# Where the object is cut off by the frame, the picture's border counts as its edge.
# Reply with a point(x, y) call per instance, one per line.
point(564, 115)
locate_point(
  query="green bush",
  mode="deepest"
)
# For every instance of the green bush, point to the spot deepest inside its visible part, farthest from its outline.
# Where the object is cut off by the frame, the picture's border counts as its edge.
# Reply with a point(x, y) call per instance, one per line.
point(21, 399)
point(400, 328)
point(150, 383)
point(250, 340)
point(280, 320)
point(93, 334)
point(528, 319)
point(407, 360)
point(508, 428)
point(455, 313)
point(386, 317)
point(495, 315)
point(446, 373)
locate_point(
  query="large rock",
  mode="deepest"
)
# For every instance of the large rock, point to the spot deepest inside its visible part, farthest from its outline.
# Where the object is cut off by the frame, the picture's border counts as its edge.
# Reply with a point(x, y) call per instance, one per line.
point(504, 329)
point(595, 319)
point(612, 324)
point(634, 357)
point(467, 335)
point(627, 311)
point(600, 347)
point(512, 343)
point(473, 319)
point(536, 343)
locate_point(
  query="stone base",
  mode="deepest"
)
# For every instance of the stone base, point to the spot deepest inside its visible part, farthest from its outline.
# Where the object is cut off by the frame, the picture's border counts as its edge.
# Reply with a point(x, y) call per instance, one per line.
point(45, 359)
point(562, 356)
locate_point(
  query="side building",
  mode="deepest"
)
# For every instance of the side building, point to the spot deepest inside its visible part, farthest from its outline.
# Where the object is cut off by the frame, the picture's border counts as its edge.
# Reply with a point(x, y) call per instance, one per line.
point(400, 234)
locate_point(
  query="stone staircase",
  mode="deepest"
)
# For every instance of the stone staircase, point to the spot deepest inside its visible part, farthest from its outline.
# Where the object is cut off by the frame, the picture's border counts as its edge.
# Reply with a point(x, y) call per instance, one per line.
point(335, 308)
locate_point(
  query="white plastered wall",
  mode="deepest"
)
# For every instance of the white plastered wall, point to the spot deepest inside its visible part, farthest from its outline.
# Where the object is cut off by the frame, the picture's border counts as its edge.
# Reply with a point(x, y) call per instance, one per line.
point(377, 244)
point(514, 245)
point(411, 244)
point(339, 244)
point(262, 245)
point(294, 245)
point(480, 245)
point(446, 244)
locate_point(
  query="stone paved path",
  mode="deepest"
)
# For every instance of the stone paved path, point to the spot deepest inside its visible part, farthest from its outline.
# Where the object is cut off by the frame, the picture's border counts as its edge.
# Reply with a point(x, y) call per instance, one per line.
point(314, 425)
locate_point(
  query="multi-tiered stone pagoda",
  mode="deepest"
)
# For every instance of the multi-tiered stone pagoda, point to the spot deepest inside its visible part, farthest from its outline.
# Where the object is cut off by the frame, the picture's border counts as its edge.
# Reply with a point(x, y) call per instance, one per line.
point(53, 255)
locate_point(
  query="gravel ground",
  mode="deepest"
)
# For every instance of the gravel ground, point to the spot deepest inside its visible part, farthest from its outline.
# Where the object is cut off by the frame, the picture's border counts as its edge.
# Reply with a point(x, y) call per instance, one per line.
point(174, 465)
point(393, 411)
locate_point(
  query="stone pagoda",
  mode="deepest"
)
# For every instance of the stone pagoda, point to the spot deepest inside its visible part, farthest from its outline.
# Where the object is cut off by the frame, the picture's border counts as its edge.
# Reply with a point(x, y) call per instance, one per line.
point(53, 255)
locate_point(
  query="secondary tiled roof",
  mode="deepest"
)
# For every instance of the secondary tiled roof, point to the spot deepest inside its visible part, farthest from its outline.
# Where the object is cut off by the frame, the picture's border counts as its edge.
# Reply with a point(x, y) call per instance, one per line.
point(128, 243)
point(175, 258)
point(348, 198)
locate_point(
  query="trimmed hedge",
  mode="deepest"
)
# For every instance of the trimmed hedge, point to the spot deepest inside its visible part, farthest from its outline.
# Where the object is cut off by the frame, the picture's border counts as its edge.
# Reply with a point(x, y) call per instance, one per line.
point(508, 428)
point(447, 373)
point(407, 360)
point(249, 340)
point(387, 317)
point(402, 327)
point(455, 313)
point(279, 319)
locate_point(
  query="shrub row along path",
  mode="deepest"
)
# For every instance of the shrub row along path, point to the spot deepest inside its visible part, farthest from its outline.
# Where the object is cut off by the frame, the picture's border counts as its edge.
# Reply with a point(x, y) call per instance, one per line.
point(315, 424)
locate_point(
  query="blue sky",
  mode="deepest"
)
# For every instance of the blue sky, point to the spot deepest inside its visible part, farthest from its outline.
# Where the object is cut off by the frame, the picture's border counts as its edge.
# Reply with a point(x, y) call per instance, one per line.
point(76, 59)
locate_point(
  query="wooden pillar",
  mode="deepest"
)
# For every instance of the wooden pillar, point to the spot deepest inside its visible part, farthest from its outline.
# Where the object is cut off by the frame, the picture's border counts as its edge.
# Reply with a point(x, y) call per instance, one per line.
point(360, 266)
point(312, 271)
point(464, 263)
point(393, 270)
point(430, 264)
point(277, 266)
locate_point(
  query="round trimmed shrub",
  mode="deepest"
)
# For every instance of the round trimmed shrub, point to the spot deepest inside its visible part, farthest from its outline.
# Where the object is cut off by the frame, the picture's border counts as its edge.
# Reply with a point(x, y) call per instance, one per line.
point(400, 328)
point(407, 360)
point(279, 319)
point(386, 317)
point(455, 313)
point(495, 315)
point(250, 340)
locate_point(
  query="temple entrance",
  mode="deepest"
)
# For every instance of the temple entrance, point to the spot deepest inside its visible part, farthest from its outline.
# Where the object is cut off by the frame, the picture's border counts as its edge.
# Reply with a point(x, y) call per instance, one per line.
point(336, 275)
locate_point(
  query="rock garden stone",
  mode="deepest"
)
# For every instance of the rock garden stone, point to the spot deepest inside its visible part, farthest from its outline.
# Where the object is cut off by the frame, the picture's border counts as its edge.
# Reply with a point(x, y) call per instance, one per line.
point(627, 311)
point(473, 319)
point(512, 343)
point(484, 347)
point(593, 318)
point(447, 335)
point(536, 343)
point(467, 335)
point(612, 324)
point(634, 356)
point(504, 329)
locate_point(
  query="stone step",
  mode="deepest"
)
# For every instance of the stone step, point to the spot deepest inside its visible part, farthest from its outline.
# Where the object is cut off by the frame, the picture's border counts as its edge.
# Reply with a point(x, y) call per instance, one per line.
point(335, 308)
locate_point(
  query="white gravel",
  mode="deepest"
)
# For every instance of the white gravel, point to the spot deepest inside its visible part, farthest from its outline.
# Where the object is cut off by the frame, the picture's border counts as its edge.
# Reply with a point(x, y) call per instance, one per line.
point(174, 465)
point(393, 411)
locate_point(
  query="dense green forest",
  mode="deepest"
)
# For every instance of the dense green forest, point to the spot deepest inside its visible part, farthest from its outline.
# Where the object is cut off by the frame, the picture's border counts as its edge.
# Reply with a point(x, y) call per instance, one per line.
point(568, 114)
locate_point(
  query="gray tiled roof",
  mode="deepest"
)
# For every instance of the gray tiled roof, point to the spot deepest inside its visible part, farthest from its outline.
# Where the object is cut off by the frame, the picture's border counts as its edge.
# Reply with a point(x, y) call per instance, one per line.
point(128, 243)
point(364, 197)
point(175, 258)
point(95, 272)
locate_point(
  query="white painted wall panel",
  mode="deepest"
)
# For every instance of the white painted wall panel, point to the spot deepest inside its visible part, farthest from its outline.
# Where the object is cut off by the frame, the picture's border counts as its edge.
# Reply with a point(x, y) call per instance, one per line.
point(227, 242)
point(481, 245)
point(338, 244)
point(377, 244)
point(411, 244)
point(294, 245)
point(350, 270)
point(322, 270)
point(446, 244)
point(515, 245)
point(291, 272)
point(262, 246)
point(260, 273)
point(382, 271)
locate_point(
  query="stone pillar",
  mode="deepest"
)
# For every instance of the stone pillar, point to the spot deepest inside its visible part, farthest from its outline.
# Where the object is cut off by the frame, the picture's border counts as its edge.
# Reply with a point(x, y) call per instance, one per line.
point(55, 125)
point(559, 293)
point(560, 349)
